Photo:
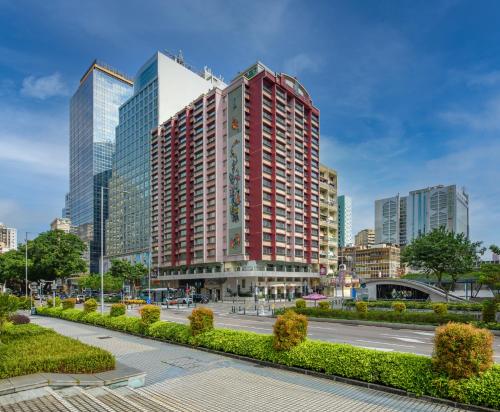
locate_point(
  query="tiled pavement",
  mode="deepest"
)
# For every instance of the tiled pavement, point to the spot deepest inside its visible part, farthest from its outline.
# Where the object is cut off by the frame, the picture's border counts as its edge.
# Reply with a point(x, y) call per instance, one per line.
point(185, 379)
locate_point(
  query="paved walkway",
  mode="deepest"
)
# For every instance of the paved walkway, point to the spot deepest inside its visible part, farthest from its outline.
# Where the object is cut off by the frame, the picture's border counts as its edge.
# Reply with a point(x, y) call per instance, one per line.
point(201, 381)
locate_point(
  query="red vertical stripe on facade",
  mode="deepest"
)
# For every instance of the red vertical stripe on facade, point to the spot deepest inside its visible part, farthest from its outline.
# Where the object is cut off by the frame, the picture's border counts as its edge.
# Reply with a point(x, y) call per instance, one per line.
point(189, 114)
point(173, 192)
point(254, 88)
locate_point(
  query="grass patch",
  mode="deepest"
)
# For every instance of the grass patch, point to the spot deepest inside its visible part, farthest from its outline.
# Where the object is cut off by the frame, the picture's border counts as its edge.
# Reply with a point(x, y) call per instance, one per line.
point(29, 348)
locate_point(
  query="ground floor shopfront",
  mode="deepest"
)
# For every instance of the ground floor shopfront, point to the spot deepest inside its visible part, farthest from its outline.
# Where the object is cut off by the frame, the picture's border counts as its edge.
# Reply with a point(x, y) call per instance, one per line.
point(225, 285)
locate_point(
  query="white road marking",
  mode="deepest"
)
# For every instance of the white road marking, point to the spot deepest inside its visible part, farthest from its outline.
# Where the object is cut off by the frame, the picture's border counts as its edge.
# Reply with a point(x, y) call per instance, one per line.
point(383, 343)
point(423, 333)
point(375, 348)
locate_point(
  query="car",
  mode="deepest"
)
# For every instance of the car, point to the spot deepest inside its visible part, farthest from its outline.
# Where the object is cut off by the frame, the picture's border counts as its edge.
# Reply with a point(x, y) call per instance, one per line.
point(80, 298)
point(199, 298)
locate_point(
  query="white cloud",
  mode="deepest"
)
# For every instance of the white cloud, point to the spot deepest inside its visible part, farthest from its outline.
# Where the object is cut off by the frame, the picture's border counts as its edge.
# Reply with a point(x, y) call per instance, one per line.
point(301, 63)
point(44, 87)
point(39, 157)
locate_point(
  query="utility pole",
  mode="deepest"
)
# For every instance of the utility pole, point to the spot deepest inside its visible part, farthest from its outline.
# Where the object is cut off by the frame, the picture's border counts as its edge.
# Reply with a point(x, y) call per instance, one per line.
point(26, 264)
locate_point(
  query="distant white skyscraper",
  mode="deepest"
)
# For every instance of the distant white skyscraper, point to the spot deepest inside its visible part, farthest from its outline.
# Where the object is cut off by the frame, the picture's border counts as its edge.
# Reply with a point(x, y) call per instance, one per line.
point(400, 219)
point(345, 221)
point(8, 238)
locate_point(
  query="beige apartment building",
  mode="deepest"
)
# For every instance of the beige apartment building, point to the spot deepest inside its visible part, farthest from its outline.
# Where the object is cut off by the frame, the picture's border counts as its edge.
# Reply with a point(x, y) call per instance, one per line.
point(376, 261)
point(328, 221)
point(365, 237)
point(63, 224)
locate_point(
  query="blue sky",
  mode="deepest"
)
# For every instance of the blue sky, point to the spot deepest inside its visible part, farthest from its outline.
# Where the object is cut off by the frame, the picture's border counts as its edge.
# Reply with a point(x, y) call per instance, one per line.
point(409, 91)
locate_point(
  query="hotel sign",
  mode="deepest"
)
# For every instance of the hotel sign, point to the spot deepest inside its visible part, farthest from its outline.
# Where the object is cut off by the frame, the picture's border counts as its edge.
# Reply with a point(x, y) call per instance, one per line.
point(235, 156)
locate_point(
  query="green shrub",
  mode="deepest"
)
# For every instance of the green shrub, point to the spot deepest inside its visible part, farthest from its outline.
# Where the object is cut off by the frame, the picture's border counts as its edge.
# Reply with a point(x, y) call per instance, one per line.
point(69, 303)
point(74, 315)
point(170, 331)
point(8, 306)
point(440, 309)
point(361, 307)
point(462, 351)
point(201, 320)
point(25, 303)
point(300, 303)
point(324, 305)
point(489, 310)
point(126, 324)
point(50, 302)
point(31, 349)
point(149, 314)
point(117, 309)
point(398, 307)
point(426, 318)
point(465, 307)
point(90, 305)
point(289, 330)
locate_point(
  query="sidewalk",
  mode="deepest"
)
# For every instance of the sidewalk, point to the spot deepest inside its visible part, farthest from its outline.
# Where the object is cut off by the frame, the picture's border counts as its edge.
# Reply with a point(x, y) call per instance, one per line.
point(203, 381)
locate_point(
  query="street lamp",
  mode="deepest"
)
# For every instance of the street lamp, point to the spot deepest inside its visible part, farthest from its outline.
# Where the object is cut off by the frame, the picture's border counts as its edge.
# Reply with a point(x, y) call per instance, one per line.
point(26, 264)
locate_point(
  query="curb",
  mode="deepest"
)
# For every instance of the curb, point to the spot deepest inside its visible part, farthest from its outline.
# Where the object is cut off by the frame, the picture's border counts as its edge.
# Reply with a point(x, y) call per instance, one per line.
point(307, 372)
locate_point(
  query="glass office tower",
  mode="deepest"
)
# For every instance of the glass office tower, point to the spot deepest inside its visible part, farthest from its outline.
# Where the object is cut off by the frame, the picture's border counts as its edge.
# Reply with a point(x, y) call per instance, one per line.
point(93, 119)
point(162, 86)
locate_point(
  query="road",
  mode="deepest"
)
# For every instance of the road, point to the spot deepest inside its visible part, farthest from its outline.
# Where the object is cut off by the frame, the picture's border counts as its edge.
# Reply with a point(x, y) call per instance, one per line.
point(371, 337)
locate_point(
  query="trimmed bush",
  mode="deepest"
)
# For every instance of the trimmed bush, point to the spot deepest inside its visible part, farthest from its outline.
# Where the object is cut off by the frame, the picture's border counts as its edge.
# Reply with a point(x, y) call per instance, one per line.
point(425, 318)
point(440, 309)
point(464, 307)
point(201, 320)
point(361, 307)
point(50, 302)
point(135, 302)
point(8, 306)
point(300, 303)
point(19, 319)
point(117, 309)
point(69, 303)
point(90, 305)
point(149, 314)
point(289, 330)
point(170, 331)
point(25, 303)
point(462, 351)
point(324, 305)
point(28, 349)
point(398, 307)
point(489, 310)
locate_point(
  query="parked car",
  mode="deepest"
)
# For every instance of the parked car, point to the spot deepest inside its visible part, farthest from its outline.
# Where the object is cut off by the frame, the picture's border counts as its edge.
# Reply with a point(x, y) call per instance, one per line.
point(199, 298)
point(80, 298)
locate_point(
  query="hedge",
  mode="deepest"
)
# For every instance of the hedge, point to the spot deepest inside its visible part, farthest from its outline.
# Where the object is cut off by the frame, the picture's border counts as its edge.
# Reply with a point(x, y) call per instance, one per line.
point(29, 348)
point(409, 372)
point(429, 318)
point(465, 307)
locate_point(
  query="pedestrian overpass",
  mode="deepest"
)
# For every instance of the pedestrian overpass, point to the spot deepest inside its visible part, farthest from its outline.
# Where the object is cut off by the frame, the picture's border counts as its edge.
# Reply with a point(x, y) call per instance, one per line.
point(394, 288)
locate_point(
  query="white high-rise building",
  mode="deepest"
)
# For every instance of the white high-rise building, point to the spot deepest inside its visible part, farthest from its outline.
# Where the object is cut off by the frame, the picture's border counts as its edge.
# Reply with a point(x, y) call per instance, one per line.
point(345, 221)
point(400, 219)
point(8, 238)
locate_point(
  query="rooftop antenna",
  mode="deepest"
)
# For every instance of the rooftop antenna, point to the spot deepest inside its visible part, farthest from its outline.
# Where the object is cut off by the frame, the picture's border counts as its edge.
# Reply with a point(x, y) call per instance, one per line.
point(180, 57)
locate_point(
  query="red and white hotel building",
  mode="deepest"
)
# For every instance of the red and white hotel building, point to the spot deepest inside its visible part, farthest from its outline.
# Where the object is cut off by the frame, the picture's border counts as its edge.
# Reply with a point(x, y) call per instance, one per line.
point(235, 190)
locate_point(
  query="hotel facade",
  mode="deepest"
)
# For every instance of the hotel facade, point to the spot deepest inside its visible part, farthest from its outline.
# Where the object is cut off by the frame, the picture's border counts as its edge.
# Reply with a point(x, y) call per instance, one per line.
point(235, 190)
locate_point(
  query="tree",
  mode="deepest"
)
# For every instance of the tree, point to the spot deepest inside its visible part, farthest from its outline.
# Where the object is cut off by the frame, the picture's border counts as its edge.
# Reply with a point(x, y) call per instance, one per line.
point(8, 305)
point(12, 268)
point(441, 252)
point(129, 273)
point(56, 254)
point(93, 282)
point(490, 276)
point(495, 249)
